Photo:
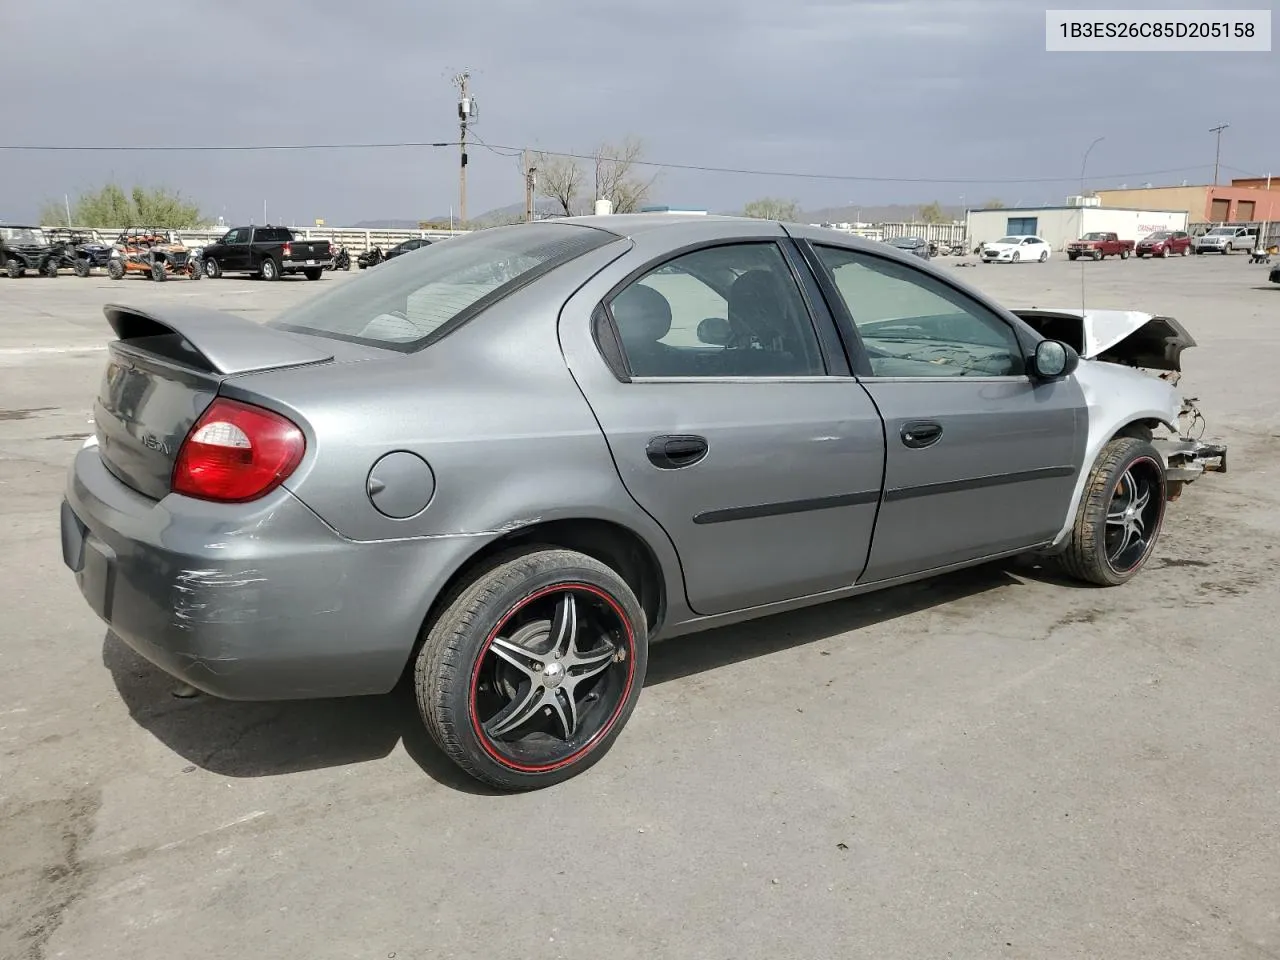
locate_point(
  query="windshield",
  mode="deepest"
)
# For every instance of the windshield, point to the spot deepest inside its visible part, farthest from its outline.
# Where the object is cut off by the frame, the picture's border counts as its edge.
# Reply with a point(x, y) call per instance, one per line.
point(23, 234)
point(906, 242)
point(1159, 235)
point(1222, 231)
point(1014, 240)
point(410, 302)
point(1094, 236)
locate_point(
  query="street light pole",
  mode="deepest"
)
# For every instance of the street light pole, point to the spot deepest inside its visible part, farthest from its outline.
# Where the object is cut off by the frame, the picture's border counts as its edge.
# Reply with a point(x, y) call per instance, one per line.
point(1085, 159)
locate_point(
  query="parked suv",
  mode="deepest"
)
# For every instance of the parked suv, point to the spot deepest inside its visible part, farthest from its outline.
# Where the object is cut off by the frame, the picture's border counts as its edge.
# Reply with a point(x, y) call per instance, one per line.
point(26, 248)
point(1164, 243)
point(1226, 240)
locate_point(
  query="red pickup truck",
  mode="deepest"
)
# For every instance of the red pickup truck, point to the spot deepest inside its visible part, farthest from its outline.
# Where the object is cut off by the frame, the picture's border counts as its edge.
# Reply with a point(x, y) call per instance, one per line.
point(1098, 245)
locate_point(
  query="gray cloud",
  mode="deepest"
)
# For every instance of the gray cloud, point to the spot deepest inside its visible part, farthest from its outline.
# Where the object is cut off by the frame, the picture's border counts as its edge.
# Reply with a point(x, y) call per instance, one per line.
point(913, 89)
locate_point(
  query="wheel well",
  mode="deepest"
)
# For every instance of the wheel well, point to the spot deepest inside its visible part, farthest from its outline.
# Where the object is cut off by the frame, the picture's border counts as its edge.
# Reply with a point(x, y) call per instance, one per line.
point(1138, 430)
point(617, 547)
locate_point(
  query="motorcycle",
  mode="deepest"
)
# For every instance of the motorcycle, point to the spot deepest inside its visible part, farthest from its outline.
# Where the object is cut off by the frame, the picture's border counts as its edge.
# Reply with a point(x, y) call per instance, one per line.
point(342, 259)
point(370, 257)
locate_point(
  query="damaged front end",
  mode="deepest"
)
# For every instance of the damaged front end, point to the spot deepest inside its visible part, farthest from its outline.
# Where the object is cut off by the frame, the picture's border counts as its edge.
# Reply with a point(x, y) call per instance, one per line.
point(1147, 344)
point(1187, 457)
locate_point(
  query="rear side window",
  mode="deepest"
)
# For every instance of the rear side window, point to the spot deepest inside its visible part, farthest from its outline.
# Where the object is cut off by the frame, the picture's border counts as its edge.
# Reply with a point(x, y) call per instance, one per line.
point(410, 302)
point(272, 235)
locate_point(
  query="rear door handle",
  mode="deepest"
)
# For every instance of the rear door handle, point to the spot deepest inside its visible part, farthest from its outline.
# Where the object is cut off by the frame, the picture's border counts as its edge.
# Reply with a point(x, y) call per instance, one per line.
point(921, 433)
point(674, 452)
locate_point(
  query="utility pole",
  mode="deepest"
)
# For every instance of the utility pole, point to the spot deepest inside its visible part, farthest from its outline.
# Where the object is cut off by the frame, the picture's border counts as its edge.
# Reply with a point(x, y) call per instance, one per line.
point(467, 113)
point(1217, 153)
point(530, 187)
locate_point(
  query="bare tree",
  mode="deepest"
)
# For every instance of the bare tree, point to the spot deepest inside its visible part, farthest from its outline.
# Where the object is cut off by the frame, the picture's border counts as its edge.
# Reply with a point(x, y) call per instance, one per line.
point(770, 208)
point(615, 176)
point(995, 203)
point(559, 179)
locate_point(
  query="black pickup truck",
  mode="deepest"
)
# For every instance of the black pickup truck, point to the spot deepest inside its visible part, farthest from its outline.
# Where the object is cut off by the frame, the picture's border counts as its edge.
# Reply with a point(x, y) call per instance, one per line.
point(270, 252)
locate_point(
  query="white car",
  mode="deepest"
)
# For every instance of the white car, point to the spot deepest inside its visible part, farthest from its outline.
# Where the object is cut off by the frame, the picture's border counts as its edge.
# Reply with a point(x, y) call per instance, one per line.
point(1015, 249)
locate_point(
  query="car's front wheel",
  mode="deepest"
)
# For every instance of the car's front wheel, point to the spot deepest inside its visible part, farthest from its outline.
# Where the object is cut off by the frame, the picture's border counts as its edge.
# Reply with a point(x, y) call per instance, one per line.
point(1120, 515)
point(212, 269)
point(530, 673)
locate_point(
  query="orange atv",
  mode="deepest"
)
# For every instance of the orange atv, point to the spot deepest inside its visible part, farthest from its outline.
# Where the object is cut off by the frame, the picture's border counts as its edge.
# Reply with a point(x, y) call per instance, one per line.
point(155, 252)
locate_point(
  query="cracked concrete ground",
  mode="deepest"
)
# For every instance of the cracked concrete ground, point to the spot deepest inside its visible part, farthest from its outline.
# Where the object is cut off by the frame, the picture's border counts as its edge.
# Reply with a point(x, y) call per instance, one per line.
point(990, 765)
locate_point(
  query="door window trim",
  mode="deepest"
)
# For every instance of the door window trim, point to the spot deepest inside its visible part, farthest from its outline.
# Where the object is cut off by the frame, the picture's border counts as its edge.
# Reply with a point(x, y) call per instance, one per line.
point(831, 351)
point(848, 328)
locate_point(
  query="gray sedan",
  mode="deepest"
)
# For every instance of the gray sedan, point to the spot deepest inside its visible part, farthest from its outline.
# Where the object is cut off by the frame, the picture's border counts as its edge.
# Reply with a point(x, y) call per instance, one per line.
point(506, 463)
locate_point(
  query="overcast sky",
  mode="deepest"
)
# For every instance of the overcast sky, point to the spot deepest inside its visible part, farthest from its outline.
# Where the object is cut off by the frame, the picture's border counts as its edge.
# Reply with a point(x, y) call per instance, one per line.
point(922, 89)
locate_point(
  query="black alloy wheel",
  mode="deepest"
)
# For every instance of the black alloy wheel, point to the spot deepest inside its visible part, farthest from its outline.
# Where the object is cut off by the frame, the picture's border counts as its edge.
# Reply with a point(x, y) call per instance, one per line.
point(529, 675)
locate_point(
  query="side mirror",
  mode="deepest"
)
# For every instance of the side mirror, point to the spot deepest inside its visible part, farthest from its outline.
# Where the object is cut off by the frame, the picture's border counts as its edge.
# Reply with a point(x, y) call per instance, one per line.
point(1054, 360)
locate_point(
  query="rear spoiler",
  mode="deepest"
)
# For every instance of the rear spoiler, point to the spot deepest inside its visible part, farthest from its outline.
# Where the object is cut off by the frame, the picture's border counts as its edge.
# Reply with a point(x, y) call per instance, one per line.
point(214, 341)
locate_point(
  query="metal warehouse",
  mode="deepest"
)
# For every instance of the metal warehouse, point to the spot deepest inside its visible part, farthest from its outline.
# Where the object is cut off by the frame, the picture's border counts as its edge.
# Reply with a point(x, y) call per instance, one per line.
point(1058, 226)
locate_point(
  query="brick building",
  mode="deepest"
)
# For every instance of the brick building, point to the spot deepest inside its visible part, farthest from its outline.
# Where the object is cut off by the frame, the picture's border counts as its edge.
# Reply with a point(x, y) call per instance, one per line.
point(1243, 201)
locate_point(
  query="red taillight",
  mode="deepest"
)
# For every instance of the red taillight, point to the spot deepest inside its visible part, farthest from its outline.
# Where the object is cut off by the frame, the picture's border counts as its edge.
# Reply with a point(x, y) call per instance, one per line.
point(237, 452)
point(287, 251)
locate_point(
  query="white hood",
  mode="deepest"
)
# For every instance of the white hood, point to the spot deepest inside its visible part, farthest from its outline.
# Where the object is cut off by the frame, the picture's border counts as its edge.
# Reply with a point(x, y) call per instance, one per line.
point(1122, 336)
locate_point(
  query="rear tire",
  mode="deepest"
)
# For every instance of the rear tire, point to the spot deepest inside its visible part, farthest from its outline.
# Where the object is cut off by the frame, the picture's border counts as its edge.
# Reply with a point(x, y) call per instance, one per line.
point(313, 273)
point(115, 270)
point(1124, 254)
point(467, 688)
point(1110, 542)
point(1044, 255)
point(13, 269)
point(269, 270)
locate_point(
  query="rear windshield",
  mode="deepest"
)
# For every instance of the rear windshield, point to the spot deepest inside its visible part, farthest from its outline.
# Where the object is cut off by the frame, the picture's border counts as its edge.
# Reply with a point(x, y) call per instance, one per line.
point(409, 302)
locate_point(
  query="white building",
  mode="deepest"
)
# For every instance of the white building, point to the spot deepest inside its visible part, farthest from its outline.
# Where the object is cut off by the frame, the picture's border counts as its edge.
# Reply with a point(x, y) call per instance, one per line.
point(1058, 226)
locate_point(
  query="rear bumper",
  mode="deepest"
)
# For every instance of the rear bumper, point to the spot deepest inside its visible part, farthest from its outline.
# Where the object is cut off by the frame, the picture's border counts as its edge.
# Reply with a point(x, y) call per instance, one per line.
point(248, 602)
point(295, 266)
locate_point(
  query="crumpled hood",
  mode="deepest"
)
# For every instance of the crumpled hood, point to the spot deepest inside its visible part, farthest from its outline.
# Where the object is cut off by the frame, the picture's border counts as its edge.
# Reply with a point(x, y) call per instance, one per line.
point(1120, 336)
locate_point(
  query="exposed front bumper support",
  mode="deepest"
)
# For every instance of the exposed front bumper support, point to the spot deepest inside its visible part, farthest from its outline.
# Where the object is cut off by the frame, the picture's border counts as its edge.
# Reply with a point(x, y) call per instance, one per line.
point(1186, 459)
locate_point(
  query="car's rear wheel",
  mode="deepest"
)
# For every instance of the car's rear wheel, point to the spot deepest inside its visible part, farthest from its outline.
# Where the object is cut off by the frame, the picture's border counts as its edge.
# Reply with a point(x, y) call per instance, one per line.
point(1124, 254)
point(530, 673)
point(313, 274)
point(269, 269)
point(1044, 255)
point(115, 270)
point(1120, 515)
point(82, 268)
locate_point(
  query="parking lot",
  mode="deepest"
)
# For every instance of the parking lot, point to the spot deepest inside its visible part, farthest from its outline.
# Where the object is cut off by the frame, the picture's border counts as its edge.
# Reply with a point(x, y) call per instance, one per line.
point(994, 764)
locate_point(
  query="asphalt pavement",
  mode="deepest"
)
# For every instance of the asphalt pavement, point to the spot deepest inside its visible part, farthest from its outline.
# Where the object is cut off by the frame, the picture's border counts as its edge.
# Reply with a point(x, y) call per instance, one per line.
point(994, 764)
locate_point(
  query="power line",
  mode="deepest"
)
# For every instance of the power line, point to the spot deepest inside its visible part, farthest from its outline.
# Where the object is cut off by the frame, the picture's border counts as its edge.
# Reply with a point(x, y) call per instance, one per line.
point(497, 148)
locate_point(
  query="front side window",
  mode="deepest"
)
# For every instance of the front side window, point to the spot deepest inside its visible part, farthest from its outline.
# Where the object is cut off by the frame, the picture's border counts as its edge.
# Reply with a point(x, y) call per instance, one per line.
point(724, 311)
point(914, 325)
point(410, 302)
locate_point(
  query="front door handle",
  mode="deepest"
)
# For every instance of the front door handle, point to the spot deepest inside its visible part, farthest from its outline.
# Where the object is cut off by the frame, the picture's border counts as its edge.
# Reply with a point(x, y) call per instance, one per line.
point(921, 433)
point(673, 452)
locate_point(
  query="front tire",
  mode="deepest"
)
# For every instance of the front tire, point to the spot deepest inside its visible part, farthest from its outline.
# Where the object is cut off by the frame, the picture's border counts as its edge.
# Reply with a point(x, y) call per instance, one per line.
point(83, 268)
point(13, 269)
point(157, 272)
point(1016, 257)
point(1120, 515)
point(50, 269)
point(212, 269)
point(529, 674)
point(115, 270)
